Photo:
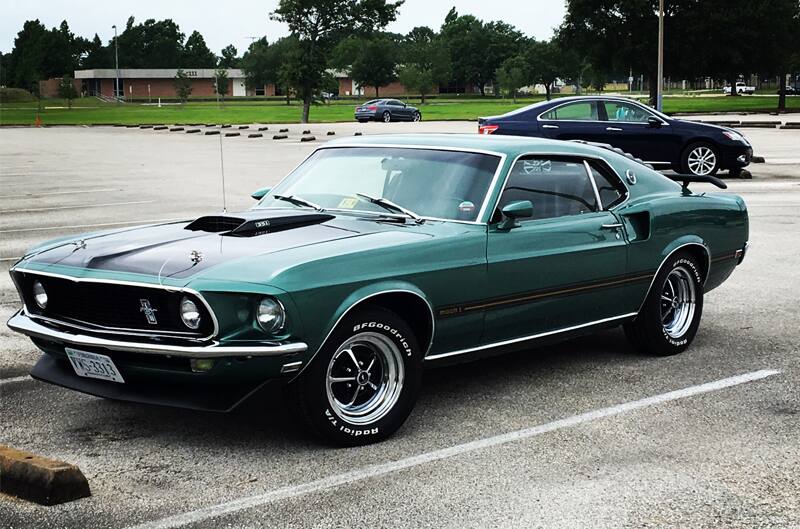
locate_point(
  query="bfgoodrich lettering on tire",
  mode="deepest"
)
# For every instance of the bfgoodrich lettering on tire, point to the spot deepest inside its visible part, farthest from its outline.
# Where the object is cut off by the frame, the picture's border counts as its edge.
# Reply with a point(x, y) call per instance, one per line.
point(364, 382)
point(670, 316)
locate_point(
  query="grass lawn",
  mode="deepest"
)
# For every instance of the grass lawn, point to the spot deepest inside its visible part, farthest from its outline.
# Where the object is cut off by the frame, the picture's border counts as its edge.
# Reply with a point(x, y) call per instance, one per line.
point(90, 111)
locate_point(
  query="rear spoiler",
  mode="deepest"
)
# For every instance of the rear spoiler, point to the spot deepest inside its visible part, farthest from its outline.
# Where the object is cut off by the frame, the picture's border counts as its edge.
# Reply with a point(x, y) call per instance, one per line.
point(686, 179)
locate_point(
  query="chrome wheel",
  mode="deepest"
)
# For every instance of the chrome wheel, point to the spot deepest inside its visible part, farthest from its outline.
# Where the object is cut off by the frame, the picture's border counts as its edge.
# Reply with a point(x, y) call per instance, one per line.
point(678, 302)
point(387, 117)
point(702, 160)
point(365, 378)
point(417, 116)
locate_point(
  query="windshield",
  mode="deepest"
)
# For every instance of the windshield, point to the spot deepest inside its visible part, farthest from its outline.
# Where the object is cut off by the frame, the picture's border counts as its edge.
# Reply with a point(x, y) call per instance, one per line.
point(431, 183)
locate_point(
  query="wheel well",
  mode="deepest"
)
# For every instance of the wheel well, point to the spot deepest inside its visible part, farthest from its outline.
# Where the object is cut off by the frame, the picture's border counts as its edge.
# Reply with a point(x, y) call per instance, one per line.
point(412, 308)
point(701, 254)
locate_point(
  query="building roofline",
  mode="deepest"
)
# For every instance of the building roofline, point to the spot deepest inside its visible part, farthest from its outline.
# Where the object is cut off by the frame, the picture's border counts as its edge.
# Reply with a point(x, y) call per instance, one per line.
point(154, 73)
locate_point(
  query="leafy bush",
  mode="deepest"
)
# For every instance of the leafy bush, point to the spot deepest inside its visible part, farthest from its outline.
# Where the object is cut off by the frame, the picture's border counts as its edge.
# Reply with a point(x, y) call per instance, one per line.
point(15, 95)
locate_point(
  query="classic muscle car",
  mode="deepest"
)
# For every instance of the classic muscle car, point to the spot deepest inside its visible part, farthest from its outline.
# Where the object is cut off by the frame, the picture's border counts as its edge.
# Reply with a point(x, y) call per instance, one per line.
point(375, 257)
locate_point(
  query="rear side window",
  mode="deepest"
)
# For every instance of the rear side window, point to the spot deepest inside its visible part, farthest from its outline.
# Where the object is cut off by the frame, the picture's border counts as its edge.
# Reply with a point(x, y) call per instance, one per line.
point(580, 111)
point(556, 187)
point(611, 190)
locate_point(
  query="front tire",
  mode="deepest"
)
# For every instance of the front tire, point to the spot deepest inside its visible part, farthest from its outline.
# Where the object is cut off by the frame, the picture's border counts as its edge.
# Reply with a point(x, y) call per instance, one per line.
point(417, 117)
point(670, 316)
point(364, 382)
point(700, 158)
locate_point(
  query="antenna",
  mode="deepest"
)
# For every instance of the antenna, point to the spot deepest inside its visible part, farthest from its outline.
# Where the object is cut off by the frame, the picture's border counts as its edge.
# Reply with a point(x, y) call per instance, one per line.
point(222, 170)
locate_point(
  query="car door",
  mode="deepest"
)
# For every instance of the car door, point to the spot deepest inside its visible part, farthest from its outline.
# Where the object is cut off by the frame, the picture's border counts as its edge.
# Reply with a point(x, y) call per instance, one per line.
point(578, 120)
point(627, 127)
point(398, 109)
point(563, 267)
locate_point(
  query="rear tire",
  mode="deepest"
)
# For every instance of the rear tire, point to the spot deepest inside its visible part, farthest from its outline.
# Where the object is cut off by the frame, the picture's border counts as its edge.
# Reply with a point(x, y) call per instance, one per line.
point(387, 117)
point(364, 382)
point(700, 158)
point(670, 316)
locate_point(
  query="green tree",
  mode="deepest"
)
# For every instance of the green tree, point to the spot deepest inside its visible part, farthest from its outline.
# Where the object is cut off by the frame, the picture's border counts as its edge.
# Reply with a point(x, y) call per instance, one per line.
point(512, 75)
point(196, 54)
point(425, 61)
point(221, 83)
point(151, 44)
point(26, 60)
point(545, 63)
point(183, 85)
point(97, 55)
point(318, 25)
point(229, 57)
point(66, 90)
point(372, 60)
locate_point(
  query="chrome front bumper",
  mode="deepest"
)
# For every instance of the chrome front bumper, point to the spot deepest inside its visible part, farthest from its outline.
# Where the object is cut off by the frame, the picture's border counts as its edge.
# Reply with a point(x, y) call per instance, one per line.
point(23, 324)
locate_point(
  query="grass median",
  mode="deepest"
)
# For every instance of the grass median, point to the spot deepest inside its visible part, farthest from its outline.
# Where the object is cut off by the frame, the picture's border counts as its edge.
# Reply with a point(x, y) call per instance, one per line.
point(91, 111)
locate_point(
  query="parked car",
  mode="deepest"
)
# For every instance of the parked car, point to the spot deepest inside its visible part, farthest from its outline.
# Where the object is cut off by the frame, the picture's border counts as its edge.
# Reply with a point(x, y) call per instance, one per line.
point(662, 141)
point(386, 110)
point(378, 256)
point(790, 91)
point(741, 88)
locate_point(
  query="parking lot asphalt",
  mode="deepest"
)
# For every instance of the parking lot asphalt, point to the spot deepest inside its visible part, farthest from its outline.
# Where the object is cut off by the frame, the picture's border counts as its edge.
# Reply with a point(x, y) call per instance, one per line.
point(530, 439)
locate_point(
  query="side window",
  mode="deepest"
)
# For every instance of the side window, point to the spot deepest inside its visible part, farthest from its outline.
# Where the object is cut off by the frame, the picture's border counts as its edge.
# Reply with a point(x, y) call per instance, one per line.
point(394, 103)
point(611, 190)
point(555, 186)
point(581, 111)
point(627, 112)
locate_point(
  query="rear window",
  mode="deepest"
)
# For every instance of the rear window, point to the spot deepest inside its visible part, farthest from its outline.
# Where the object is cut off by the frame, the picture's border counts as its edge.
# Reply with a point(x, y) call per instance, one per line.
point(580, 111)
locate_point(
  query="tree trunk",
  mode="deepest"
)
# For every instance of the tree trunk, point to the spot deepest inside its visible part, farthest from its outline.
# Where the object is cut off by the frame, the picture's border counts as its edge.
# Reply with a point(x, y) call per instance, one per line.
point(514, 95)
point(288, 98)
point(376, 93)
point(482, 88)
point(782, 93)
point(733, 86)
point(306, 109)
point(653, 89)
point(547, 90)
point(422, 98)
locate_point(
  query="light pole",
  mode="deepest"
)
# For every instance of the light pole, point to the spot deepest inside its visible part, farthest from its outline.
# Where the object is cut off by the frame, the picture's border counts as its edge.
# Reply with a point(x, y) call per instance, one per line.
point(660, 74)
point(116, 63)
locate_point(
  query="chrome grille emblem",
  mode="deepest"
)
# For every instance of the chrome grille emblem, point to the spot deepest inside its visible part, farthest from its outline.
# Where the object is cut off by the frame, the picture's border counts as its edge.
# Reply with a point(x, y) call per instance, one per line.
point(149, 311)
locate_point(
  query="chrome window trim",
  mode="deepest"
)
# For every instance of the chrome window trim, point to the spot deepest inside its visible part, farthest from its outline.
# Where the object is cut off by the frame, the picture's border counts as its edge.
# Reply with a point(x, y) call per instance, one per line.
point(594, 185)
point(24, 325)
point(132, 284)
point(490, 188)
point(655, 113)
point(583, 157)
point(360, 300)
point(529, 337)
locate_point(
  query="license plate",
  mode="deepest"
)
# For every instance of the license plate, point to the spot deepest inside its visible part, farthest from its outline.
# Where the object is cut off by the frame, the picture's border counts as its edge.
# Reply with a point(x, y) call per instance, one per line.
point(93, 365)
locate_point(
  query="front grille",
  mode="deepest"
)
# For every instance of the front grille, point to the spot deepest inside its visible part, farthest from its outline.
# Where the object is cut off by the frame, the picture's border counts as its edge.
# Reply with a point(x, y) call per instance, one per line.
point(107, 307)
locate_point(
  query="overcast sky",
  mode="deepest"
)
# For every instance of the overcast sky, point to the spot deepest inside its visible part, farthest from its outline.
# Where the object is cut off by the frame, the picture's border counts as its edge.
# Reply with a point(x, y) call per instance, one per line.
point(223, 23)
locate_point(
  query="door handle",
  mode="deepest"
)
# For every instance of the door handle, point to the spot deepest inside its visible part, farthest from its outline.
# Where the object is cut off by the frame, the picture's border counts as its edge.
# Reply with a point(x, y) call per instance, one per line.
point(611, 226)
point(614, 129)
point(549, 126)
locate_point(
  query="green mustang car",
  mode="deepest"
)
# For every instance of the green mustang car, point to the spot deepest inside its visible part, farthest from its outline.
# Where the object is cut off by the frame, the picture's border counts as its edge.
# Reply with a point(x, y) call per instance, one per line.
point(376, 257)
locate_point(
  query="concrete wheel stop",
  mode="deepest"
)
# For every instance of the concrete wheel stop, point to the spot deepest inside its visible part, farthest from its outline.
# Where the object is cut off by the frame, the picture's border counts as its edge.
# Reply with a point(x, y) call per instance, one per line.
point(39, 479)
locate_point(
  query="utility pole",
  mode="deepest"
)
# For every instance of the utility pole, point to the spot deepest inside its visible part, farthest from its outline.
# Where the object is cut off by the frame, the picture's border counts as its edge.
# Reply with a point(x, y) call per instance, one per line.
point(660, 74)
point(116, 64)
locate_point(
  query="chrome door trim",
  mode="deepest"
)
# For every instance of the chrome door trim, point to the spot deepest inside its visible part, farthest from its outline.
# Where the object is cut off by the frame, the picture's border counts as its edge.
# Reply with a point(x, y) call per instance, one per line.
point(530, 337)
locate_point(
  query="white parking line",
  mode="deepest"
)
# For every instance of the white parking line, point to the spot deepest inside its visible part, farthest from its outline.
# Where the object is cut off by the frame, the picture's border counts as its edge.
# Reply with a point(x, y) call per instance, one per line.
point(34, 194)
point(105, 224)
point(81, 206)
point(14, 379)
point(372, 471)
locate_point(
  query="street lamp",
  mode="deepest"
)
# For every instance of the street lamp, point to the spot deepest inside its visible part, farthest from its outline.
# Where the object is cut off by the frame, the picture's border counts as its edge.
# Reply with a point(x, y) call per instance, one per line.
point(116, 63)
point(660, 74)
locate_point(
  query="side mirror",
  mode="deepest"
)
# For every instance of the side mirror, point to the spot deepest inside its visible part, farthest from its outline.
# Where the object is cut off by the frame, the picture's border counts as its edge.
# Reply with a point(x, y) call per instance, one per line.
point(513, 212)
point(653, 123)
point(261, 193)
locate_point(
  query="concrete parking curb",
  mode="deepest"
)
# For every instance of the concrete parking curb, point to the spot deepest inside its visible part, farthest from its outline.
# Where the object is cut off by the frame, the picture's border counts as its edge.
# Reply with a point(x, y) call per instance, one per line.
point(160, 127)
point(255, 135)
point(39, 479)
point(331, 133)
point(192, 131)
point(262, 129)
point(307, 138)
point(243, 127)
point(280, 137)
point(283, 130)
point(232, 134)
point(176, 129)
point(211, 132)
point(791, 125)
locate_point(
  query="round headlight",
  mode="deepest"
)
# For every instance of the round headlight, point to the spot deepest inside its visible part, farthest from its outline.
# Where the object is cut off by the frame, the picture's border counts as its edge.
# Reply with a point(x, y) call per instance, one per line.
point(39, 295)
point(270, 315)
point(189, 313)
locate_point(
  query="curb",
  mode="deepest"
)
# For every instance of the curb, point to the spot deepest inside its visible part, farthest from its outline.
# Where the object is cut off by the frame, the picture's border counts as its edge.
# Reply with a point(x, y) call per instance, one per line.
point(160, 127)
point(262, 129)
point(211, 132)
point(307, 138)
point(757, 159)
point(280, 137)
point(243, 127)
point(255, 135)
point(283, 130)
point(39, 479)
point(791, 125)
point(232, 134)
point(176, 129)
point(192, 131)
point(331, 133)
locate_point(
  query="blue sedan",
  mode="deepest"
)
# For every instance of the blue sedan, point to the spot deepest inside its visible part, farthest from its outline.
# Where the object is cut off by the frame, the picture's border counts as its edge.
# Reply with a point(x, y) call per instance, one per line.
point(666, 143)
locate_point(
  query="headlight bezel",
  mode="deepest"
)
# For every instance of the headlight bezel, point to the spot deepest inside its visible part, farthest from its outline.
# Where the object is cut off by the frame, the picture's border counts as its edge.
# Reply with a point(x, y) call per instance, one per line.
point(277, 322)
point(734, 136)
point(41, 304)
point(190, 313)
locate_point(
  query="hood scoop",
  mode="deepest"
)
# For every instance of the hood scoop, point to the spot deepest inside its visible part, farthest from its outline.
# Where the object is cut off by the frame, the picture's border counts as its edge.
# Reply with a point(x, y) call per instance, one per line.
point(253, 226)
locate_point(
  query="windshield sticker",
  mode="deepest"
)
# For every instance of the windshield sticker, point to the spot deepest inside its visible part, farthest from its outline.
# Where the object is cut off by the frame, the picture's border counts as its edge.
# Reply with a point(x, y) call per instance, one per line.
point(536, 166)
point(348, 203)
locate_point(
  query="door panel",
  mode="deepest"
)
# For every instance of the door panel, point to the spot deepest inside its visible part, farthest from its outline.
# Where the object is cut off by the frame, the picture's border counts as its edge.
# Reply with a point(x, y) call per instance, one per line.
point(626, 127)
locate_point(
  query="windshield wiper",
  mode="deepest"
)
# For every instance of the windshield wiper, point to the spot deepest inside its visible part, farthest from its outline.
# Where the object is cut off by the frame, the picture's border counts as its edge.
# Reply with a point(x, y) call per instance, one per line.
point(297, 201)
point(387, 204)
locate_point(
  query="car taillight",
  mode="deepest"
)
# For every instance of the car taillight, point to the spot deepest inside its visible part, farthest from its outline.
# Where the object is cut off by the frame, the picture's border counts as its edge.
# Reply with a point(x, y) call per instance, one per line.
point(372, 107)
point(487, 129)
